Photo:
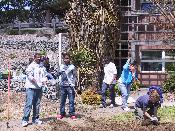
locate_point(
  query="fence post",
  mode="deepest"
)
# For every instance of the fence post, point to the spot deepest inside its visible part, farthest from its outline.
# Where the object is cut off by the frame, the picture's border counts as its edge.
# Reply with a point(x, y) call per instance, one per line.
point(54, 25)
point(60, 48)
point(19, 28)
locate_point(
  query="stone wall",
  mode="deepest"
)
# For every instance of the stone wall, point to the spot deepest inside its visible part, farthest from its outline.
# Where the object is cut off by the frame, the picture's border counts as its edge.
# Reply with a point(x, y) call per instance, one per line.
point(19, 48)
point(22, 47)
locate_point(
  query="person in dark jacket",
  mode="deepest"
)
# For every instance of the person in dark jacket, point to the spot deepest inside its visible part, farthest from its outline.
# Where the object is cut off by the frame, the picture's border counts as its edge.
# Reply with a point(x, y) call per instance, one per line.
point(146, 106)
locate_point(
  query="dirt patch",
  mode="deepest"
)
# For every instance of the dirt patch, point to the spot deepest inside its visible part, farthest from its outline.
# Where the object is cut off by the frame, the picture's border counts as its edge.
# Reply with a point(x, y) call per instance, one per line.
point(90, 118)
point(109, 126)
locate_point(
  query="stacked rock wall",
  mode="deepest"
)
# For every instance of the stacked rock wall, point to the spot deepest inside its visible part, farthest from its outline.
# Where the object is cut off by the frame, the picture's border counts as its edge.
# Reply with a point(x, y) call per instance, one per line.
point(22, 47)
point(17, 49)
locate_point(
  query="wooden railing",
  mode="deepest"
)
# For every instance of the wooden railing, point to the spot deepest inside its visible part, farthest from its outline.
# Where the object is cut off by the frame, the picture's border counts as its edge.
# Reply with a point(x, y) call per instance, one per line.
point(150, 78)
point(21, 25)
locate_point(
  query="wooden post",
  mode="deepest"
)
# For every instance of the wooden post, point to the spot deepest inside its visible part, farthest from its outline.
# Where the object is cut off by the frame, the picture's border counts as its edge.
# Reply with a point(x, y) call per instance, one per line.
point(48, 18)
point(19, 28)
point(8, 98)
point(54, 22)
point(60, 48)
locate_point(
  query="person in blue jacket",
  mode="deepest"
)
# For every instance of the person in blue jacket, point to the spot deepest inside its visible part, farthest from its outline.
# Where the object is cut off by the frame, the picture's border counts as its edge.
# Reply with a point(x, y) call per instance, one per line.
point(127, 77)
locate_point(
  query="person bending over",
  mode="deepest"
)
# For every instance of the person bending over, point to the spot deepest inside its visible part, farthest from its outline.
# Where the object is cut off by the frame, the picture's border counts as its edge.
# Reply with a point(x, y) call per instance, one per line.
point(146, 106)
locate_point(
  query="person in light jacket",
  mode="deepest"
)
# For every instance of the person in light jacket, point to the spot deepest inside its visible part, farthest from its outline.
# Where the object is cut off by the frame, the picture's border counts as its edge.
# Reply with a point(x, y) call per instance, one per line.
point(109, 81)
point(36, 79)
point(67, 82)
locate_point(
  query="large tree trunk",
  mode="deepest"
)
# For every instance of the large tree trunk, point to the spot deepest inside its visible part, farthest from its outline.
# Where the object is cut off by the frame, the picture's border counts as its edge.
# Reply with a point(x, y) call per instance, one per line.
point(93, 26)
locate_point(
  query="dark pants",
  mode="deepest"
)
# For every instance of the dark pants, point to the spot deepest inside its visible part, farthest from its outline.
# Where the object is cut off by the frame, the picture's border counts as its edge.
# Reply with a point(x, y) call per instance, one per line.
point(33, 98)
point(67, 90)
point(112, 93)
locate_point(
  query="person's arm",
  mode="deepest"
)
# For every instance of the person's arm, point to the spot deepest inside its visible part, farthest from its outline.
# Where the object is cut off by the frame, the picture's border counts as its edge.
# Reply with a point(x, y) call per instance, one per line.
point(75, 76)
point(71, 68)
point(126, 66)
point(152, 118)
point(128, 61)
point(114, 77)
point(60, 71)
point(145, 107)
point(30, 74)
point(146, 114)
point(114, 72)
point(45, 79)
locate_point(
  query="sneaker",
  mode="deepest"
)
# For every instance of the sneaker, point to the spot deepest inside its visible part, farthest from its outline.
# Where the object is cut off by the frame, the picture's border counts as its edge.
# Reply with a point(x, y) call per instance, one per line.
point(24, 123)
point(73, 117)
point(126, 109)
point(102, 106)
point(37, 121)
point(111, 106)
point(60, 117)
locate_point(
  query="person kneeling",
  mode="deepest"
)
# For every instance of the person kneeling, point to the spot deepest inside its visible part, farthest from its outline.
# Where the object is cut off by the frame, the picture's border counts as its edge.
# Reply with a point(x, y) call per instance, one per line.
point(146, 107)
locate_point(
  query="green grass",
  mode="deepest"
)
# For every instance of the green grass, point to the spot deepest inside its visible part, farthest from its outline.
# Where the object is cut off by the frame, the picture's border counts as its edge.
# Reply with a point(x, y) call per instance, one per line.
point(125, 117)
point(166, 114)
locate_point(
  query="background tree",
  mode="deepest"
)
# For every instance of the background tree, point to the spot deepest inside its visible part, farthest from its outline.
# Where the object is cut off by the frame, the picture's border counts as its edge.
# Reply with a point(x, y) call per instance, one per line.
point(13, 9)
point(34, 9)
point(93, 27)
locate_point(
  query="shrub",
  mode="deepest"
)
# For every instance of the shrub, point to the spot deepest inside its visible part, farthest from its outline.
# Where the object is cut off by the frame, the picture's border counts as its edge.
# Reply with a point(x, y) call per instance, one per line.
point(169, 84)
point(117, 89)
point(135, 86)
point(85, 60)
point(91, 97)
point(5, 74)
point(12, 56)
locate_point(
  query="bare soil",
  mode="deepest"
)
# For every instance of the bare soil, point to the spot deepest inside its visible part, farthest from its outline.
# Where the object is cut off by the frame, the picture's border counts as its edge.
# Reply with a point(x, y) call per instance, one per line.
point(90, 118)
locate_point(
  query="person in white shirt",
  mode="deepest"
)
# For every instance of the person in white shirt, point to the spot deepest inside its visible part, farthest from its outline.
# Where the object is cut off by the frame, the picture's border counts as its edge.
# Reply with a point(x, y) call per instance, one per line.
point(36, 79)
point(109, 81)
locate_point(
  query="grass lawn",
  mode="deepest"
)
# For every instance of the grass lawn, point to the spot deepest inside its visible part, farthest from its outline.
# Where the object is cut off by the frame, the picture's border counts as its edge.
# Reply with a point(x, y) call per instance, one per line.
point(166, 114)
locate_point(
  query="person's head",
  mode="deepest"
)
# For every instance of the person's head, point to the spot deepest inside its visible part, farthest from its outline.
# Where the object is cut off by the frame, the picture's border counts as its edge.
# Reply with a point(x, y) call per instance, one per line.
point(132, 66)
point(134, 63)
point(154, 96)
point(37, 58)
point(66, 58)
point(107, 60)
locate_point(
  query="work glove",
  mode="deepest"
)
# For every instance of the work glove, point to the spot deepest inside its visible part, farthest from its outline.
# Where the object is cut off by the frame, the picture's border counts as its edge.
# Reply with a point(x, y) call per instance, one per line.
point(128, 61)
point(44, 89)
point(154, 119)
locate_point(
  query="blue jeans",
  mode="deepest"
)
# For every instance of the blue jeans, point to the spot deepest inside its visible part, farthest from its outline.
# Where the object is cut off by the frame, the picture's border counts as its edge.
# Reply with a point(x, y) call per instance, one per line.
point(33, 98)
point(112, 93)
point(125, 91)
point(67, 90)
